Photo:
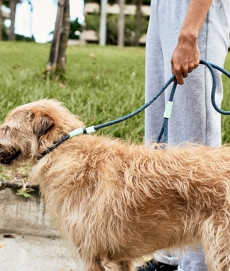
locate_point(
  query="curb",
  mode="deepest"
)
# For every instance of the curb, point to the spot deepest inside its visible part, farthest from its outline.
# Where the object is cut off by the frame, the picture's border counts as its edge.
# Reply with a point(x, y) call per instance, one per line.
point(24, 215)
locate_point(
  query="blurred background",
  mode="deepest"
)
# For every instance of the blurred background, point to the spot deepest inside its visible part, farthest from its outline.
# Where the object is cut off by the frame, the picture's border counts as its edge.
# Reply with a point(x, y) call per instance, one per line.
point(35, 20)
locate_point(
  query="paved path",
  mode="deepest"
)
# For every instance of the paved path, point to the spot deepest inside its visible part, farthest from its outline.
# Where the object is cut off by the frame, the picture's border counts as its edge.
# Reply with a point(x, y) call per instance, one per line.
point(32, 253)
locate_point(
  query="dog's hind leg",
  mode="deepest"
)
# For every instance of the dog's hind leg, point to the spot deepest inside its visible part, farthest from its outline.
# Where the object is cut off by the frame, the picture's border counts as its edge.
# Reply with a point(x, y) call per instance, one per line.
point(216, 242)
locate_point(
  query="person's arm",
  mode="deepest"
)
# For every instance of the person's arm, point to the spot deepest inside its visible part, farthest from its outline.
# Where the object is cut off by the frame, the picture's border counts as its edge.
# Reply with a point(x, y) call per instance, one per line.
point(186, 55)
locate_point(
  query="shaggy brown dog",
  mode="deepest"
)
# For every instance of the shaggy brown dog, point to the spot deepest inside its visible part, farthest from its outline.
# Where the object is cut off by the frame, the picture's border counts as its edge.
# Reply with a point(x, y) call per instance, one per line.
point(116, 202)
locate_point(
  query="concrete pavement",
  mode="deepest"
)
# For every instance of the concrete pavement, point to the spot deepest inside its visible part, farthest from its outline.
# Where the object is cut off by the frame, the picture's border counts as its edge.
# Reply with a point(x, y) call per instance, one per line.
point(35, 244)
point(34, 253)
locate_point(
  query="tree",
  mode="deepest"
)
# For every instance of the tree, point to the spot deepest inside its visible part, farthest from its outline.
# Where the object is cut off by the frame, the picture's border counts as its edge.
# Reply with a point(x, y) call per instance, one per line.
point(13, 4)
point(121, 23)
point(57, 58)
point(138, 21)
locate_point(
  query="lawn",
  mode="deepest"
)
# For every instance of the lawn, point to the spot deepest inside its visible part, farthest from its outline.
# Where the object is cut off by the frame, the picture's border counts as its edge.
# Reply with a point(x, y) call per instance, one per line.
point(226, 103)
point(101, 84)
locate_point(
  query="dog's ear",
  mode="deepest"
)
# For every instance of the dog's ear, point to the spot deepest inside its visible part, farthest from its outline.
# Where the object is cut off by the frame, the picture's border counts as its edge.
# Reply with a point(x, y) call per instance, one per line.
point(40, 123)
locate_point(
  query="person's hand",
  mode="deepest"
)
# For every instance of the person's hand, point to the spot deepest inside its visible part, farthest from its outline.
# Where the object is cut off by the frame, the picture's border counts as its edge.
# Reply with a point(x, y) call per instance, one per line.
point(185, 58)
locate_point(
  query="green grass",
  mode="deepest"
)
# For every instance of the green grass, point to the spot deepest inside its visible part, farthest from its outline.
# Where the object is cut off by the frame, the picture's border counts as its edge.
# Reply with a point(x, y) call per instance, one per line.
point(101, 84)
point(226, 103)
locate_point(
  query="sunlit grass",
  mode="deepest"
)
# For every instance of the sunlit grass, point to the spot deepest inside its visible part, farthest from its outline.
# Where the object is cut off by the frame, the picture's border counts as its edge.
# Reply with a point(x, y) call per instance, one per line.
point(226, 103)
point(101, 84)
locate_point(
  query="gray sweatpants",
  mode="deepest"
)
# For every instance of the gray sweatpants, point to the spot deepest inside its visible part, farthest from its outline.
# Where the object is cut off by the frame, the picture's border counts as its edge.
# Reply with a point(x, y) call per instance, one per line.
point(193, 116)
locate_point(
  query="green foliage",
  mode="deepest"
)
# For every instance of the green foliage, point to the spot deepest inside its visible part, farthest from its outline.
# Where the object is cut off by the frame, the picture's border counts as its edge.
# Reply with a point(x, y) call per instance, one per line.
point(4, 33)
point(23, 38)
point(74, 26)
point(101, 84)
point(146, 2)
point(92, 22)
point(6, 3)
point(24, 194)
point(226, 103)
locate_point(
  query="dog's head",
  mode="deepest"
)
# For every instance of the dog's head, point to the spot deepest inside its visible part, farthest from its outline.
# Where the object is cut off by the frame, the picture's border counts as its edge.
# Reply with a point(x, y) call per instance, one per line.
point(29, 129)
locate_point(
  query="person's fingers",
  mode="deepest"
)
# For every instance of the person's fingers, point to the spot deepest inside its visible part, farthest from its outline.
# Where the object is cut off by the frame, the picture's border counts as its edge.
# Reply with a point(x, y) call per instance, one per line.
point(184, 71)
point(179, 72)
point(179, 77)
point(190, 66)
point(172, 67)
point(193, 64)
point(196, 63)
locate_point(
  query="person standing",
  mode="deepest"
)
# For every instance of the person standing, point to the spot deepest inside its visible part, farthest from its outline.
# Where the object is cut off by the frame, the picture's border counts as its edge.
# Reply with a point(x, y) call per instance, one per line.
point(180, 33)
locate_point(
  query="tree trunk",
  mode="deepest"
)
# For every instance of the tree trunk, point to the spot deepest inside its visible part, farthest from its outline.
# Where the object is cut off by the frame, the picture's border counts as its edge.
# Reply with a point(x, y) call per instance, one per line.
point(56, 37)
point(138, 21)
point(0, 20)
point(13, 4)
point(57, 58)
point(61, 59)
point(121, 23)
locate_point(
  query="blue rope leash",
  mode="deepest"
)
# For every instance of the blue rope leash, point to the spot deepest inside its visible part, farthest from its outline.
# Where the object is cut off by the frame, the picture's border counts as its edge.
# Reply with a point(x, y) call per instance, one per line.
point(167, 114)
point(210, 67)
point(139, 109)
point(164, 129)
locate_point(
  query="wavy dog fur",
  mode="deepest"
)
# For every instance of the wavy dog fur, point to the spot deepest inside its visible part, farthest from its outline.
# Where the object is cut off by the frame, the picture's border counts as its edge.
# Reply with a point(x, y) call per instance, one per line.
point(114, 202)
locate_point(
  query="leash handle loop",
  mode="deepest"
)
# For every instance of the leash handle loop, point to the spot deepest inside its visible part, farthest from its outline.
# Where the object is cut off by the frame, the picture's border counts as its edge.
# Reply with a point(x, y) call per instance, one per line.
point(211, 68)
